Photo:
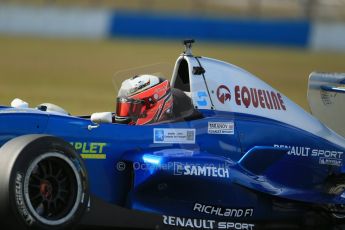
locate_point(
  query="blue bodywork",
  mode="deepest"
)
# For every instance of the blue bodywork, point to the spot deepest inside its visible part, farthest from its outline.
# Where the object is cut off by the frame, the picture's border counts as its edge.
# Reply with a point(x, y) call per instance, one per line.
point(252, 169)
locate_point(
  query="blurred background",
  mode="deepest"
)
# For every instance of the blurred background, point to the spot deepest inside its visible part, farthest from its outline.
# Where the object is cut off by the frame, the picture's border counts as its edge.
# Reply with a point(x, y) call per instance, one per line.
point(67, 51)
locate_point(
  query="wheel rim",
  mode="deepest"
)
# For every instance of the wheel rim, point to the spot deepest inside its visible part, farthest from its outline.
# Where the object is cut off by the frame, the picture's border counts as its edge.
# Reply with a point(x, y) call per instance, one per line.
point(52, 188)
point(338, 210)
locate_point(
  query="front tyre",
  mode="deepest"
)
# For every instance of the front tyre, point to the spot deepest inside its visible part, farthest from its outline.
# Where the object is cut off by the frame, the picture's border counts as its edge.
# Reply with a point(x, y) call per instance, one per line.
point(43, 183)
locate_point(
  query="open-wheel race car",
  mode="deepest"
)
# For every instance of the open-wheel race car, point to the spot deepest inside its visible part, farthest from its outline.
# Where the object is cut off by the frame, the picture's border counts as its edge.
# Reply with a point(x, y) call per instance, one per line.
point(234, 154)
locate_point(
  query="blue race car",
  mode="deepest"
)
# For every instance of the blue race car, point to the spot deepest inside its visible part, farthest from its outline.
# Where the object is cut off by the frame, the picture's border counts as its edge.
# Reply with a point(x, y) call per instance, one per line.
point(237, 155)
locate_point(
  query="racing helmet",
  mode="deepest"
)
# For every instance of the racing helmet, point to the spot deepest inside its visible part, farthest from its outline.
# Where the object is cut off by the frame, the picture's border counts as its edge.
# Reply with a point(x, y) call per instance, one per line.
point(144, 99)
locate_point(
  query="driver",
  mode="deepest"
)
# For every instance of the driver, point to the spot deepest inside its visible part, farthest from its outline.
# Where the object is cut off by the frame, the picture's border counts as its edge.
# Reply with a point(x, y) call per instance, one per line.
point(144, 99)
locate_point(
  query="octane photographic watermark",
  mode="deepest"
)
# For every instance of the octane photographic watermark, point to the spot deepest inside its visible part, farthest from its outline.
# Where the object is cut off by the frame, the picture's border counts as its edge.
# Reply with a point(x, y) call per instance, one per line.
point(121, 166)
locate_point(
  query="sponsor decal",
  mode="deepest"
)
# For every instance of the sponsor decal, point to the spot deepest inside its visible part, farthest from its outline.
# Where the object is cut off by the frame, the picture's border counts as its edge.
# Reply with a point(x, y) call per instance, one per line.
point(327, 97)
point(223, 94)
point(221, 128)
point(252, 97)
point(201, 98)
point(201, 170)
point(325, 156)
point(90, 150)
point(328, 161)
point(177, 136)
point(140, 85)
point(20, 200)
point(183, 222)
point(226, 212)
point(259, 98)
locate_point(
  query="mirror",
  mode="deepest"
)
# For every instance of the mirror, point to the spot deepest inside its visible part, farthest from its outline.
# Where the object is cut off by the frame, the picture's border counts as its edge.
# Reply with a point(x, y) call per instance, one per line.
point(103, 117)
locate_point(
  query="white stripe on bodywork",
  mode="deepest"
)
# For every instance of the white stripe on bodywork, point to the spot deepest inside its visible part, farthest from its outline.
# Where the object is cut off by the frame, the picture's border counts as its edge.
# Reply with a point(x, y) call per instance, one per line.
point(221, 73)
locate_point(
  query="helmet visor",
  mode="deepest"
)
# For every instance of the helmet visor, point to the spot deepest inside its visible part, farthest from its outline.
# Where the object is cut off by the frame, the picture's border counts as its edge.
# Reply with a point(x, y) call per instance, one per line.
point(128, 107)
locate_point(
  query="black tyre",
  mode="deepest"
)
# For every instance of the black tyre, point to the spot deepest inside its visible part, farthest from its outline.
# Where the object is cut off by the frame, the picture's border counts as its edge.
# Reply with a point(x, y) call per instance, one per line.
point(336, 186)
point(43, 184)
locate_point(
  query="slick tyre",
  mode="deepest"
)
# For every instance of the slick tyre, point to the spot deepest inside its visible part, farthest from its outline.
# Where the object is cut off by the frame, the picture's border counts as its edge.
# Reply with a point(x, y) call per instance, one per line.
point(336, 186)
point(43, 184)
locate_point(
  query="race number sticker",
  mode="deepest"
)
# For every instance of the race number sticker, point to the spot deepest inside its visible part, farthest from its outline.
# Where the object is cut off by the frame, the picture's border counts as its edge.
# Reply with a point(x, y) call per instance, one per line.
point(226, 128)
point(174, 136)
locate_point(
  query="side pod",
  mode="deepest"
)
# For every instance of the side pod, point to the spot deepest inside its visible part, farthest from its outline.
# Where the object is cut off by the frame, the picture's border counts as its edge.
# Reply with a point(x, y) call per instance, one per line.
point(266, 155)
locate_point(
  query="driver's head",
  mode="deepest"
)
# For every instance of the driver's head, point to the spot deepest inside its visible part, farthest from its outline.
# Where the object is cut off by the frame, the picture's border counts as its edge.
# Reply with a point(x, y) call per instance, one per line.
point(144, 99)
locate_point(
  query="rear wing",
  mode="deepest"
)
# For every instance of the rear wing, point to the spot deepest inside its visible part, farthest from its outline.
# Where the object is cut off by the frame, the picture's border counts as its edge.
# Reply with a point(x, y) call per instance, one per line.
point(326, 96)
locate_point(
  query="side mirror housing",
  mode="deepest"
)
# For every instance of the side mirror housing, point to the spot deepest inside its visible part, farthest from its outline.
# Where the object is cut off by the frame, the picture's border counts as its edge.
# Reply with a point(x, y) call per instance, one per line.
point(19, 104)
point(104, 117)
